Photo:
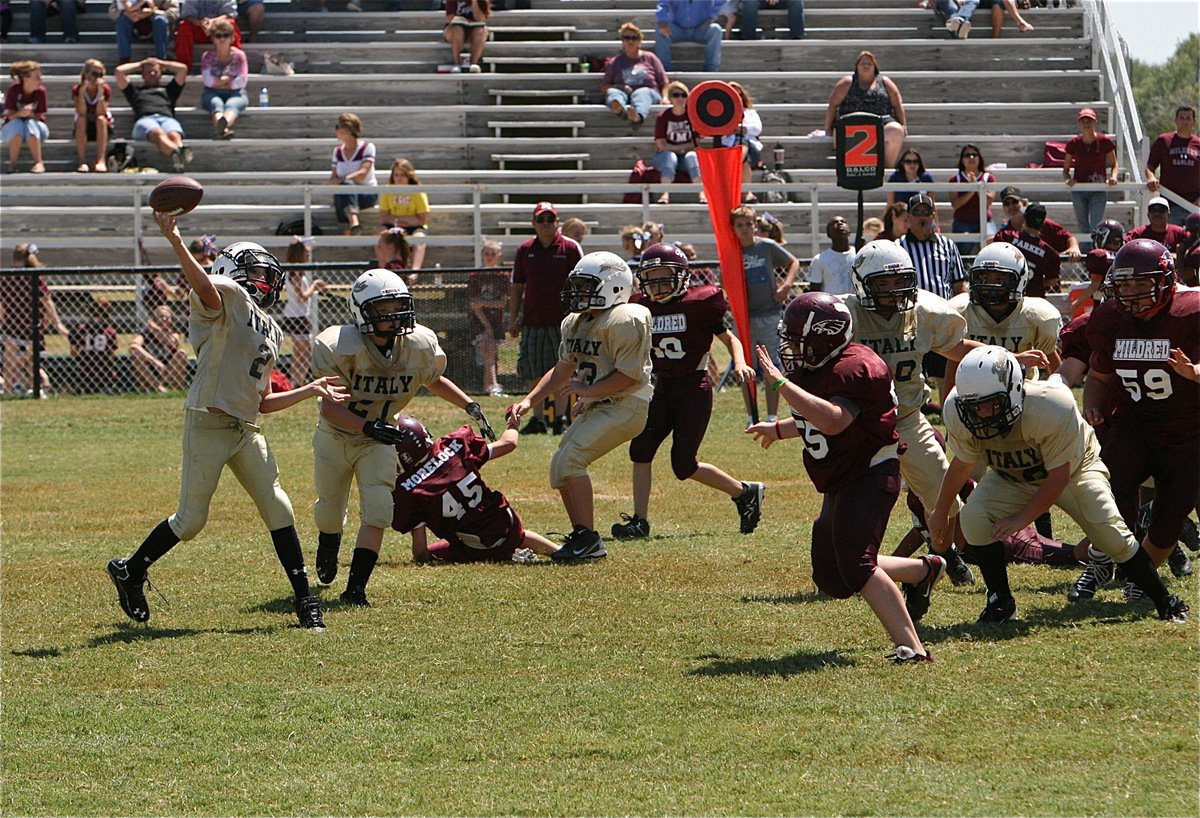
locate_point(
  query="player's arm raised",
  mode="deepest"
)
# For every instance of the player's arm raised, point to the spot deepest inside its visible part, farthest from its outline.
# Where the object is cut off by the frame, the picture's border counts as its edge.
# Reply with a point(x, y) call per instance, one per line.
point(827, 416)
point(197, 278)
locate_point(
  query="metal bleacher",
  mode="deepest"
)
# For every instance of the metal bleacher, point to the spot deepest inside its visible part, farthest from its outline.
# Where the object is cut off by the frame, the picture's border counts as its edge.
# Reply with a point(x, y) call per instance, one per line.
point(531, 125)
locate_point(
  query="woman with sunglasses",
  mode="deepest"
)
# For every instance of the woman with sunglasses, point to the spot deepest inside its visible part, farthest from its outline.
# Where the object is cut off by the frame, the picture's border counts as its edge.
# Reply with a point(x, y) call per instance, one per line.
point(675, 142)
point(225, 72)
point(634, 79)
point(910, 169)
point(966, 203)
point(91, 97)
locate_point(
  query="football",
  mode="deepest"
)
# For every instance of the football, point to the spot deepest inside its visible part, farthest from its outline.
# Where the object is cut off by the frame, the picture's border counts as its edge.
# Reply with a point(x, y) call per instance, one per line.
point(176, 195)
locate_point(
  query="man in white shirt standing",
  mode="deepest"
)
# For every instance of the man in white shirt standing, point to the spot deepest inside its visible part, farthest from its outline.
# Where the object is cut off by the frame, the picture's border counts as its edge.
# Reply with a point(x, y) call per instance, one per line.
point(829, 271)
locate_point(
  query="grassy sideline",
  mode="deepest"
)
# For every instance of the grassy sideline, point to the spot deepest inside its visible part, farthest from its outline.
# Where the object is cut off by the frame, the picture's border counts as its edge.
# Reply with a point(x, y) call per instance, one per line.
point(698, 673)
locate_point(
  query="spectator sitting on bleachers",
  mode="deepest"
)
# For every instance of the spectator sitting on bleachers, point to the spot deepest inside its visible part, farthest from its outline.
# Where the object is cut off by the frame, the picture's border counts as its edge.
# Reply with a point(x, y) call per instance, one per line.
point(354, 165)
point(998, 8)
point(747, 135)
point(750, 9)
point(39, 10)
point(958, 16)
point(868, 91)
point(143, 19)
point(575, 229)
point(15, 331)
point(196, 26)
point(674, 141)
point(1158, 228)
point(769, 227)
point(689, 21)
point(25, 105)
point(971, 169)
point(94, 350)
point(1088, 154)
point(910, 169)
point(1053, 233)
point(154, 106)
point(91, 96)
point(487, 296)
point(633, 240)
point(255, 11)
point(829, 271)
point(634, 79)
point(653, 233)
point(954, 14)
point(225, 72)
point(698, 275)
point(392, 252)
point(300, 308)
point(159, 360)
point(466, 23)
point(895, 221)
point(408, 211)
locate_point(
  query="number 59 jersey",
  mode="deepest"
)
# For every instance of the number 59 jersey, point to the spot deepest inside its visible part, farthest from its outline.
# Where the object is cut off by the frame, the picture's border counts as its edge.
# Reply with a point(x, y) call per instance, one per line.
point(1152, 399)
point(447, 494)
point(380, 385)
point(683, 329)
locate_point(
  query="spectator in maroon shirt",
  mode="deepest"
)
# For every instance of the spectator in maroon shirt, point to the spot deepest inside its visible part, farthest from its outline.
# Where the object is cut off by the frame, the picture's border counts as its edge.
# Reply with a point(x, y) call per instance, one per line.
point(1041, 256)
point(25, 114)
point(536, 310)
point(1053, 233)
point(94, 349)
point(1177, 158)
point(675, 142)
point(1158, 227)
point(1088, 155)
point(634, 79)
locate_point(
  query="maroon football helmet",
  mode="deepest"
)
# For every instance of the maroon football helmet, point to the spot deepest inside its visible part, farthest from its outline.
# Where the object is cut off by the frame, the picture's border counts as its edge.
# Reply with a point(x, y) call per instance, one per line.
point(1108, 235)
point(816, 327)
point(1192, 225)
point(663, 273)
point(416, 445)
point(1138, 260)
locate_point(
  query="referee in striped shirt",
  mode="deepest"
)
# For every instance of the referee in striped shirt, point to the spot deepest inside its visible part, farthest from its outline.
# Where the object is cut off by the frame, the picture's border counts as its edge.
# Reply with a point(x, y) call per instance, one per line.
point(939, 270)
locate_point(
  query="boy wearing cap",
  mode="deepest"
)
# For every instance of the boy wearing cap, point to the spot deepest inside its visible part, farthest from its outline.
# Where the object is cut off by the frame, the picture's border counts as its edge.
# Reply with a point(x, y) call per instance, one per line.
point(1177, 158)
point(535, 310)
point(1088, 154)
point(1158, 228)
point(1053, 233)
point(1042, 258)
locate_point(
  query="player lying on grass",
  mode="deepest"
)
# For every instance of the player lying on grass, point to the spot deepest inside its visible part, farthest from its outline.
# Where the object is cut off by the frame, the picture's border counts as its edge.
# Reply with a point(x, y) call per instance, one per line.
point(439, 488)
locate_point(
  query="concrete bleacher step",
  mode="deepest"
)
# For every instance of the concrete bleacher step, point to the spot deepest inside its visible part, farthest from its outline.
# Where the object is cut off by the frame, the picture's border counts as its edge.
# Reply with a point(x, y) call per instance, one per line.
point(539, 160)
point(548, 128)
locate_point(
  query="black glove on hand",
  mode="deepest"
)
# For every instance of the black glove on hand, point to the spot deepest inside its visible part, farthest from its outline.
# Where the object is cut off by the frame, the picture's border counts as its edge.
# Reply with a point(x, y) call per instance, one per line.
point(476, 413)
point(383, 432)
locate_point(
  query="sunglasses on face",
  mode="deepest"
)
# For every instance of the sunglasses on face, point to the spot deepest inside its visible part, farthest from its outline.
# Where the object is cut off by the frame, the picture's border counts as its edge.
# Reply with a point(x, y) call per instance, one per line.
point(95, 75)
point(1159, 209)
point(222, 36)
point(633, 38)
point(678, 95)
point(970, 155)
point(546, 219)
point(922, 214)
point(912, 161)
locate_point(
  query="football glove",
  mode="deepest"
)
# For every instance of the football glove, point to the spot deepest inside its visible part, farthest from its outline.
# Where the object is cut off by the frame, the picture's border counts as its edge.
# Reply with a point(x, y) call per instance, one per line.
point(383, 432)
point(479, 417)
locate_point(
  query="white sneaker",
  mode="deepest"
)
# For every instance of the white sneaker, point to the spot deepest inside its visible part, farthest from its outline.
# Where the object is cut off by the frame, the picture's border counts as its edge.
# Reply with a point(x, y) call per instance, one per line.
point(352, 6)
point(953, 24)
point(964, 30)
point(474, 68)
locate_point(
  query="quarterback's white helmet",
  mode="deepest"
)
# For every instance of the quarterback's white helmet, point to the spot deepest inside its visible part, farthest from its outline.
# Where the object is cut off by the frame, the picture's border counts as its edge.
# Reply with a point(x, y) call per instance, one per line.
point(599, 281)
point(884, 258)
point(999, 257)
point(250, 265)
point(380, 296)
point(990, 391)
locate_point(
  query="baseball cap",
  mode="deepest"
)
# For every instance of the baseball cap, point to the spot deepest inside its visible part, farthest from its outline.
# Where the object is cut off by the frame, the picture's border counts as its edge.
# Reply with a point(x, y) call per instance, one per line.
point(1010, 192)
point(1158, 200)
point(1035, 215)
point(920, 200)
point(1088, 113)
point(544, 207)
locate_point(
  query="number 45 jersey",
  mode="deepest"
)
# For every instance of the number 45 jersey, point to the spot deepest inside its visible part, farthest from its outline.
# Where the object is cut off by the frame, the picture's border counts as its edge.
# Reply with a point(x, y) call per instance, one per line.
point(447, 494)
point(380, 385)
point(683, 330)
point(1152, 399)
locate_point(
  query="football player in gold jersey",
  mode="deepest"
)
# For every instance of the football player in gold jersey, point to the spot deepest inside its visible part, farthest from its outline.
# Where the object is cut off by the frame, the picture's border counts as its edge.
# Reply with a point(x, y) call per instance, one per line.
point(604, 358)
point(384, 358)
point(236, 345)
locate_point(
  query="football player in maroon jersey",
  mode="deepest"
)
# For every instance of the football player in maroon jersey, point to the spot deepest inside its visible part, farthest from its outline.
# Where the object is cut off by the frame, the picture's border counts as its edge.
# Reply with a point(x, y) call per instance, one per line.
point(685, 321)
point(439, 488)
point(1153, 428)
point(844, 410)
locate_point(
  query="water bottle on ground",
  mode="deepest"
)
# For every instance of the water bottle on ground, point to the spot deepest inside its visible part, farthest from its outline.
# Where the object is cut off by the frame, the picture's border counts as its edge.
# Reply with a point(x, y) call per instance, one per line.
point(264, 97)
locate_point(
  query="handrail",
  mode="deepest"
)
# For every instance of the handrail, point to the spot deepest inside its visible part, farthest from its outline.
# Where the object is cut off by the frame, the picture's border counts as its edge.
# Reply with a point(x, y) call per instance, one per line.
point(1110, 58)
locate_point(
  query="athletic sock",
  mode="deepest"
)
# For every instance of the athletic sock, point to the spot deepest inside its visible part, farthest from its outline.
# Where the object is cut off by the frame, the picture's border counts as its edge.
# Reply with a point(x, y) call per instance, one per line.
point(157, 543)
point(325, 541)
point(1139, 569)
point(990, 559)
point(362, 563)
point(291, 557)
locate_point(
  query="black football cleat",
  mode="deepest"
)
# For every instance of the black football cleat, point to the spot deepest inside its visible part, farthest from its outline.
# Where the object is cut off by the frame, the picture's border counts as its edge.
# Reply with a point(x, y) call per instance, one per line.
point(631, 528)
point(308, 611)
point(355, 595)
point(1180, 564)
point(535, 426)
point(581, 544)
point(904, 655)
point(129, 590)
point(916, 595)
point(1096, 574)
point(1174, 610)
point(749, 506)
point(327, 562)
point(957, 569)
point(998, 611)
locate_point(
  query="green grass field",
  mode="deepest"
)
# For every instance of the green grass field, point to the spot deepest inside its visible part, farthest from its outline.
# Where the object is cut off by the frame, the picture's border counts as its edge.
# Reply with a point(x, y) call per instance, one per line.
point(697, 673)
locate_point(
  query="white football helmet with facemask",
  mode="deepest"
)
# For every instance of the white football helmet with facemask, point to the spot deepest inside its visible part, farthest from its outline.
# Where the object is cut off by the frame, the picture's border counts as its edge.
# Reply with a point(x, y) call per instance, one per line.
point(999, 257)
point(989, 392)
point(884, 258)
point(380, 296)
point(251, 266)
point(598, 282)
